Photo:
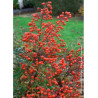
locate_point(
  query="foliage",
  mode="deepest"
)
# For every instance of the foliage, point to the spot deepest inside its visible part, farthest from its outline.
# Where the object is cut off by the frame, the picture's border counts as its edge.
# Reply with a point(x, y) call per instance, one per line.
point(58, 5)
point(18, 88)
point(28, 3)
point(48, 69)
point(81, 10)
point(15, 4)
point(61, 5)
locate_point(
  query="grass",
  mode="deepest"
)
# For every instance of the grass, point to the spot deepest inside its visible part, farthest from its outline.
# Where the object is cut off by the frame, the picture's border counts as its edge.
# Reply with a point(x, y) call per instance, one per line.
point(72, 32)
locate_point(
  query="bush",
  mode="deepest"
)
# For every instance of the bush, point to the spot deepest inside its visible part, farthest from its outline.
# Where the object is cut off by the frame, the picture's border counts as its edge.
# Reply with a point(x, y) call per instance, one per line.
point(62, 5)
point(15, 4)
point(28, 3)
point(48, 70)
point(58, 5)
point(81, 10)
point(69, 5)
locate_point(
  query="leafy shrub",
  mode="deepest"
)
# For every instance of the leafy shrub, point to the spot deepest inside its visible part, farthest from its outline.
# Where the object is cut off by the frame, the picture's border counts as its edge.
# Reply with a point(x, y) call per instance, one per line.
point(28, 3)
point(58, 5)
point(81, 10)
point(69, 5)
point(15, 4)
point(48, 70)
point(18, 88)
point(62, 5)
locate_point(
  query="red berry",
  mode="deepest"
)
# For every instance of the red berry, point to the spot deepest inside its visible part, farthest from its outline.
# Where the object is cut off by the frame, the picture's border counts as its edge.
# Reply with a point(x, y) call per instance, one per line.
point(35, 78)
point(78, 43)
point(49, 2)
point(62, 81)
point(43, 3)
point(73, 73)
point(32, 77)
point(30, 24)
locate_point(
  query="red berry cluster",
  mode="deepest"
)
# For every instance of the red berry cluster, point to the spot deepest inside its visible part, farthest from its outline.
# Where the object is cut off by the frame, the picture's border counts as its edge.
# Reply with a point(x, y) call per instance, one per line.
point(50, 71)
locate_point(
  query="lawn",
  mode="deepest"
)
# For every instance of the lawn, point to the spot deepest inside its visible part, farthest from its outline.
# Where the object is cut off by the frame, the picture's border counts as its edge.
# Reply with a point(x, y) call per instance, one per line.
point(72, 32)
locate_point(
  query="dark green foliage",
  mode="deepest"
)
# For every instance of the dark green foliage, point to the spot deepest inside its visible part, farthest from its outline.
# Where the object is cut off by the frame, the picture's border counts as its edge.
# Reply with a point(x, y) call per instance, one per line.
point(61, 5)
point(28, 3)
point(15, 4)
point(18, 88)
point(66, 5)
point(58, 5)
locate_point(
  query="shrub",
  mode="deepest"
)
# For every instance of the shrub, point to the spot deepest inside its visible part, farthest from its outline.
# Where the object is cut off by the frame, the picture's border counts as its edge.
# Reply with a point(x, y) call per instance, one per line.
point(69, 5)
point(62, 5)
point(28, 3)
point(58, 5)
point(48, 69)
point(81, 10)
point(15, 4)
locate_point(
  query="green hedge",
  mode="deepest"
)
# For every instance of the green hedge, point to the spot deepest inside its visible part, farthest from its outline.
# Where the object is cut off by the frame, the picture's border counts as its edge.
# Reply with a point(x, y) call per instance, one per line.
point(58, 5)
point(15, 4)
point(62, 5)
point(27, 4)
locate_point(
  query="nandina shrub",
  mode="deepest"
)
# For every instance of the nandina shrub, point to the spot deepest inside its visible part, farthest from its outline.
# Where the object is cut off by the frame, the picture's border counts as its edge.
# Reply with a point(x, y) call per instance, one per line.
point(49, 71)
